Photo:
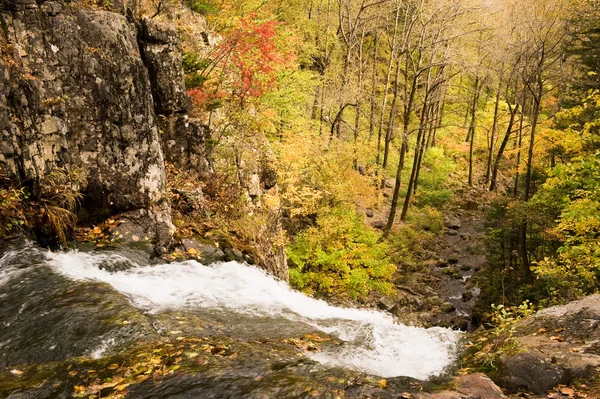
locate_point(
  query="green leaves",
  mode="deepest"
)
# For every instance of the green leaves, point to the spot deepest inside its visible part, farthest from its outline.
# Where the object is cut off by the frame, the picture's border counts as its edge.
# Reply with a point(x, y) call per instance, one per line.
point(340, 256)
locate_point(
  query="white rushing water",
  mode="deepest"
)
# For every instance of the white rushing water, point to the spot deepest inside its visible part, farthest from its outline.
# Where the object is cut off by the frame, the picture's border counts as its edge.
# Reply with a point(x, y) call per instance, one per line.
point(376, 344)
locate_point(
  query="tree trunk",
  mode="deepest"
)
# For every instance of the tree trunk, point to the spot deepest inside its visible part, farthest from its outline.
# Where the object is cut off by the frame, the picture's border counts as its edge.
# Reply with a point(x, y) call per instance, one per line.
point(473, 127)
point(403, 149)
point(511, 122)
point(490, 159)
point(519, 143)
point(373, 89)
point(393, 110)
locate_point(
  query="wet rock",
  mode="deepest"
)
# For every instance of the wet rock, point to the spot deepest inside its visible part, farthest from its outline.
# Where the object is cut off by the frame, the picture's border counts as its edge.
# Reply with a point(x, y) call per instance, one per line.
point(460, 323)
point(369, 213)
point(447, 307)
point(145, 229)
point(452, 232)
point(206, 254)
point(249, 259)
point(386, 303)
point(467, 296)
point(453, 223)
point(453, 259)
point(530, 371)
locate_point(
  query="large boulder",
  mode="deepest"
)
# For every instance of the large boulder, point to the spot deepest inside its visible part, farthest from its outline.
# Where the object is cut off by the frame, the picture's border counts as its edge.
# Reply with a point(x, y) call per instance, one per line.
point(556, 346)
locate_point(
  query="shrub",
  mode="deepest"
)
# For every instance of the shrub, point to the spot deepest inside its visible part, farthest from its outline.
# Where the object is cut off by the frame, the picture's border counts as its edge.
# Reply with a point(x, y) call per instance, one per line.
point(340, 256)
point(204, 7)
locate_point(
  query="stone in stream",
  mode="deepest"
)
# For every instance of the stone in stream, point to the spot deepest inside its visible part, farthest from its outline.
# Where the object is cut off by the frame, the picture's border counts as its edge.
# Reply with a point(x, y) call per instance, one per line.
point(453, 223)
point(205, 253)
point(447, 307)
point(452, 232)
point(386, 303)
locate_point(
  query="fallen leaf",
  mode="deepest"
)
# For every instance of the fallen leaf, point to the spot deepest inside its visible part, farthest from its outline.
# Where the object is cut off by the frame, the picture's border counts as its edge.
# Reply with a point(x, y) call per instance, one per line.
point(406, 395)
point(382, 383)
point(73, 373)
point(16, 372)
point(570, 392)
point(97, 230)
point(557, 338)
point(575, 350)
point(192, 251)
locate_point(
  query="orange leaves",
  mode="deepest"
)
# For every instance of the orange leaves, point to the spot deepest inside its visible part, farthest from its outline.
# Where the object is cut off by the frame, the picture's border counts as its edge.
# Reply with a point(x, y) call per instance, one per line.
point(247, 62)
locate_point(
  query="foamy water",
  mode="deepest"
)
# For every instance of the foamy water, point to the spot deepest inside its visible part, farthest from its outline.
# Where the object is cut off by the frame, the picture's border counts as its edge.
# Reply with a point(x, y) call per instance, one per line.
point(375, 342)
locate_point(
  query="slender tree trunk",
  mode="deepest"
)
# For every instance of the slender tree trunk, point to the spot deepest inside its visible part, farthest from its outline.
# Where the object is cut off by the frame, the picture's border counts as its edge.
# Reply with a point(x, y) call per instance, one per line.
point(415, 167)
point(393, 110)
point(422, 150)
point(438, 126)
point(315, 107)
point(492, 148)
point(345, 79)
point(373, 89)
point(473, 127)
point(387, 86)
point(496, 167)
point(519, 144)
point(403, 149)
point(396, 195)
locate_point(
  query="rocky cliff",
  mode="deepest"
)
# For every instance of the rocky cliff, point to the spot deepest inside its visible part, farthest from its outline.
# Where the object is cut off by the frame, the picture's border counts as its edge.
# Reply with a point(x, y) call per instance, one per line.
point(75, 92)
point(100, 92)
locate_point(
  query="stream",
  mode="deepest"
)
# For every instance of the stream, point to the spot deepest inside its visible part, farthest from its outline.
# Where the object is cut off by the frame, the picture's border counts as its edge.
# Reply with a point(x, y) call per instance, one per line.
point(58, 306)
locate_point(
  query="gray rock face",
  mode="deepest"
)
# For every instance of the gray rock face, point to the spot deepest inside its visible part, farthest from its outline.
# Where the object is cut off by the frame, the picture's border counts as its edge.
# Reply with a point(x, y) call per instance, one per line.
point(163, 60)
point(559, 345)
point(183, 140)
point(75, 91)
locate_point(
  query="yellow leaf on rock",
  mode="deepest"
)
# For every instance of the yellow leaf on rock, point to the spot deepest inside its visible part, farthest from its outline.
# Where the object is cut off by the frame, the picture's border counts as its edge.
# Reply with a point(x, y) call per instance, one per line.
point(382, 383)
point(192, 251)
